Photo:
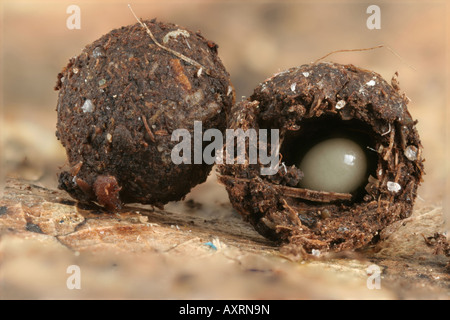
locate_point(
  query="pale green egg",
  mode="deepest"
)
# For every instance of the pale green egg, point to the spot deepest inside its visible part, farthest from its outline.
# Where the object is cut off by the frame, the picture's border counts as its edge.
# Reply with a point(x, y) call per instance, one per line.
point(334, 165)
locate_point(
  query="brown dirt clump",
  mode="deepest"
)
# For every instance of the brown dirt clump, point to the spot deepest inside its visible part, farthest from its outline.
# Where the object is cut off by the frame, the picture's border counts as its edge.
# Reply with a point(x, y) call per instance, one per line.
point(119, 102)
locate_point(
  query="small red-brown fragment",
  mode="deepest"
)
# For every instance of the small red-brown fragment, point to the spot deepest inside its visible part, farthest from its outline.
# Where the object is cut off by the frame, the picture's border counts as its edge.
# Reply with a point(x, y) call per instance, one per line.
point(83, 185)
point(107, 190)
point(150, 133)
point(176, 66)
point(213, 46)
point(76, 168)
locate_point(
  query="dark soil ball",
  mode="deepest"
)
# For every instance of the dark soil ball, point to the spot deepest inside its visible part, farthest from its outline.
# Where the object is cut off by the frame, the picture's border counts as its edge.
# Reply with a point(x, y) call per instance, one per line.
point(119, 102)
point(315, 103)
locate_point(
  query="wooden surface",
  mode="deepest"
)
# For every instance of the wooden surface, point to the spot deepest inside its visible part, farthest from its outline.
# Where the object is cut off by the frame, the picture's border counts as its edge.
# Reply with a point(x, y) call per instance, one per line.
point(194, 250)
point(166, 254)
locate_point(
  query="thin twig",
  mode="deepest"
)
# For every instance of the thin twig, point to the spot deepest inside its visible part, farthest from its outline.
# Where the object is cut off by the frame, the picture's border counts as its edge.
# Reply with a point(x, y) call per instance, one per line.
point(346, 50)
point(175, 53)
point(391, 145)
point(299, 193)
point(367, 49)
point(150, 133)
point(387, 132)
point(293, 214)
point(313, 195)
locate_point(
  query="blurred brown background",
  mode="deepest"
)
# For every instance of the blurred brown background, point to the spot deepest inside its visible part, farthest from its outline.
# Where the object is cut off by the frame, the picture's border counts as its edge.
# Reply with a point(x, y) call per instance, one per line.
point(255, 38)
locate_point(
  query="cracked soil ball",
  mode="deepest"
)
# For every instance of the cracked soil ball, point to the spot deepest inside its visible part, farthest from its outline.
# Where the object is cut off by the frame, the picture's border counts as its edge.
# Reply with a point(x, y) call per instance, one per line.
point(359, 150)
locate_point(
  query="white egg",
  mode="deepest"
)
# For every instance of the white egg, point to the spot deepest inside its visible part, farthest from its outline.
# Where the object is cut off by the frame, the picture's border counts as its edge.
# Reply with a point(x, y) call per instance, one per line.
point(334, 165)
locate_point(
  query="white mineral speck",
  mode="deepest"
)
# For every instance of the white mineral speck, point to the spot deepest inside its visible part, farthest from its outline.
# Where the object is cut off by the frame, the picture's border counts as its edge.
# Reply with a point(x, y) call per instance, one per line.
point(109, 137)
point(306, 74)
point(279, 74)
point(320, 84)
point(230, 90)
point(393, 186)
point(340, 104)
point(98, 52)
point(315, 253)
point(371, 83)
point(264, 88)
point(174, 34)
point(411, 153)
point(293, 87)
point(88, 106)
